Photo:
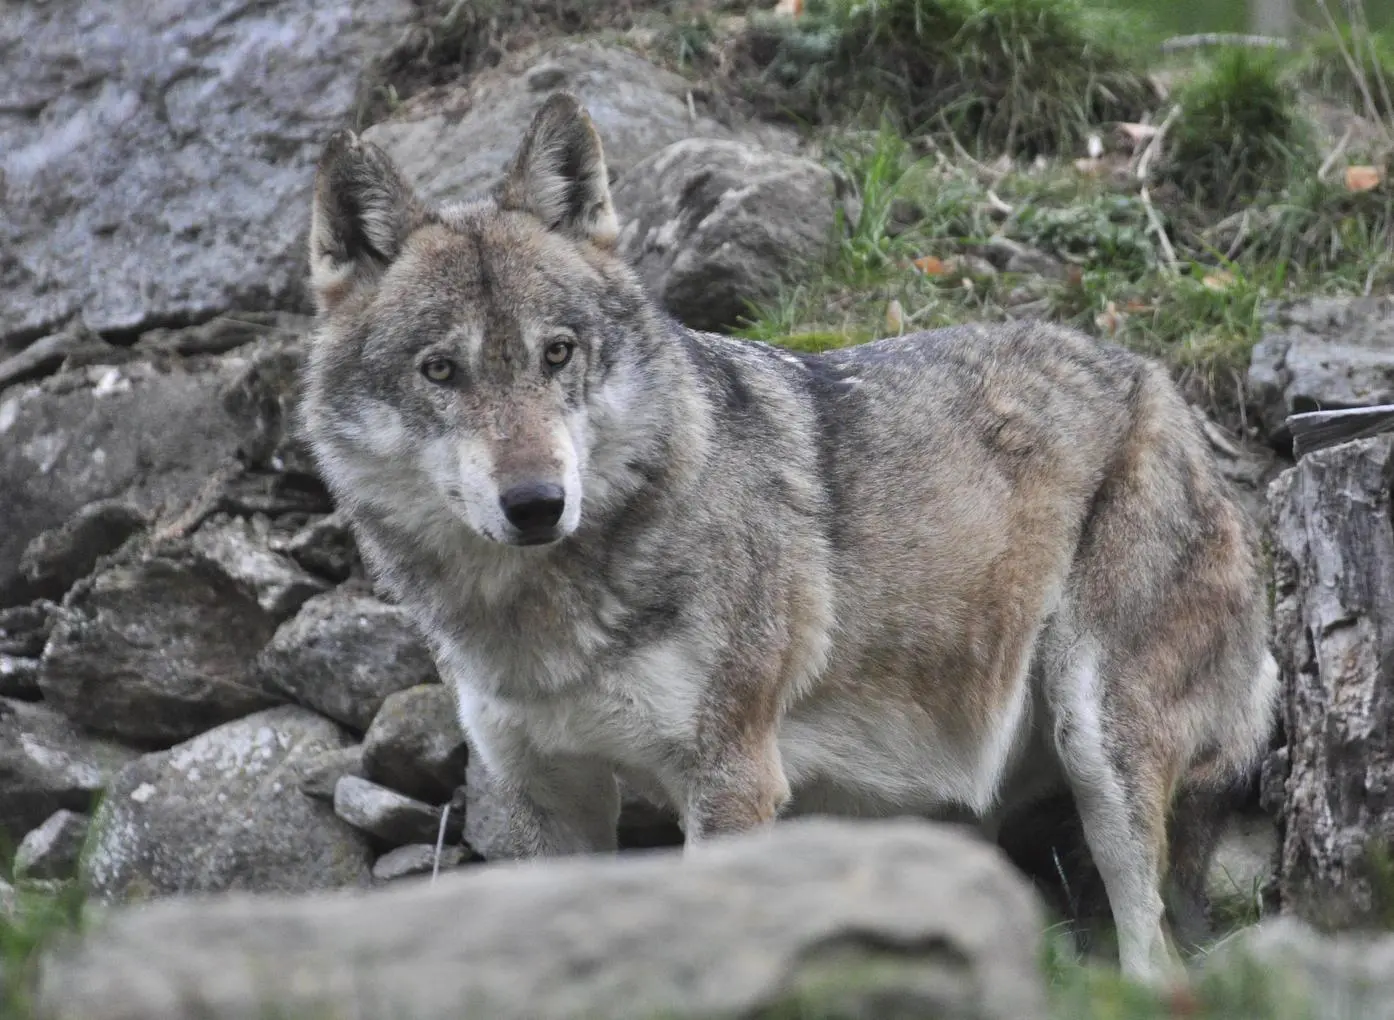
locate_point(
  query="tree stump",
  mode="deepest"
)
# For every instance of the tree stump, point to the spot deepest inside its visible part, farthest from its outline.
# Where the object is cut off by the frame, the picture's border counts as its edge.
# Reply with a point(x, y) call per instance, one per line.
point(1333, 620)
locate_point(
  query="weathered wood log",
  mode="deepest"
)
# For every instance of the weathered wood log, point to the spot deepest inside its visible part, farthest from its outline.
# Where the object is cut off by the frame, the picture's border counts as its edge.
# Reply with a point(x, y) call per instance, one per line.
point(1333, 620)
point(1317, 430)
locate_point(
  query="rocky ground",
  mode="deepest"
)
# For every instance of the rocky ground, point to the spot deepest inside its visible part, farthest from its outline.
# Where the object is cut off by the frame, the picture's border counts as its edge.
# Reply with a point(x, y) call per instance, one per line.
point(201, 693)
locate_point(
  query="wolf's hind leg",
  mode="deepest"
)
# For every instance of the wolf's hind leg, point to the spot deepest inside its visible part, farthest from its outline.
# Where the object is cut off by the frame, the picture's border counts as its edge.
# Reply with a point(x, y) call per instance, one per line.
point(1121, 789)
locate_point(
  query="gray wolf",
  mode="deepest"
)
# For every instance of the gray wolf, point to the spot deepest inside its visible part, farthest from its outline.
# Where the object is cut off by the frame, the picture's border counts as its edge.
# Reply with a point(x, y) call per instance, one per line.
point(935, 573)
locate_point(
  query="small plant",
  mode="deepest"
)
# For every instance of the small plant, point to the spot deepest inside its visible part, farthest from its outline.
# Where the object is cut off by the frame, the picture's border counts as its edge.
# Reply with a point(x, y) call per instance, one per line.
point(1240, 134)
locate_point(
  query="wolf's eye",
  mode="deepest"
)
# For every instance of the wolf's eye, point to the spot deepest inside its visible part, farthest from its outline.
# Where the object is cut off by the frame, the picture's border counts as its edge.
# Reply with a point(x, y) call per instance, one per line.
point(558, 353)
point(438, 370)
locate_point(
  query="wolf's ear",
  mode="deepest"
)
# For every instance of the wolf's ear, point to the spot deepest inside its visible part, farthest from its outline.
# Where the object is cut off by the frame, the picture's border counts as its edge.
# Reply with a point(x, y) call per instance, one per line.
point(559, 174)
point(364, 211)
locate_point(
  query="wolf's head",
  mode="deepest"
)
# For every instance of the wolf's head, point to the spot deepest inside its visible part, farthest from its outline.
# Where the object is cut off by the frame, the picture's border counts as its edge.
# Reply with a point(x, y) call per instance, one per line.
point(465, 355)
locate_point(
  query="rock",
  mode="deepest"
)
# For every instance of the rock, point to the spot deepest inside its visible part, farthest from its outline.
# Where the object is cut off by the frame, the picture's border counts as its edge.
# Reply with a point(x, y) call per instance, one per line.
point(47, 764)
point(485, 821)
point(264, 395)
point(1333, 565)
point(156, 156)
point(56, 560)
point(894, 920)
point(158, 649)
point(24, 630)
point(1322, 353)
point(454, 143)
point(1244, 860)
point(416, 859)
point(415, 746)
point(9, 905)
point(713, 226)
point(19, 677)
point(222, 811)
point(140, 434)
point(388, 816)
point(241, 546)
point(1014, 257)
point(324, 546)
point(1345, 977)
point(52, 850)
point(45, 356)
point(343, 654)
point(321, 773)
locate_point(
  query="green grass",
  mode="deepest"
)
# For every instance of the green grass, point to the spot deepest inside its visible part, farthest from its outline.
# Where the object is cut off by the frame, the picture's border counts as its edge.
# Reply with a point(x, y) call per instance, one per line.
point(39, 916)
point(1018, 76)
point(1240, 133)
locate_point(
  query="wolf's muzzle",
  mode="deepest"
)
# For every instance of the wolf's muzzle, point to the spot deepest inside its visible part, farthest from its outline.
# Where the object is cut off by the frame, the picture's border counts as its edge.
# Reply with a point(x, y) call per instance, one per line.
point(534, 509)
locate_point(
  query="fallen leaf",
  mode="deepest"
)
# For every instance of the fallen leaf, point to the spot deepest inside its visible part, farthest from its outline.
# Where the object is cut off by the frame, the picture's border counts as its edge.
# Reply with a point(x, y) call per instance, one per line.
point(1135, 306)
point(1091, 167)
point(1096, 146)
point(793, 8)
point(895, 317)
point(1218, 280)
point(931, 265)
point(1363, 178)
point(1074, 275)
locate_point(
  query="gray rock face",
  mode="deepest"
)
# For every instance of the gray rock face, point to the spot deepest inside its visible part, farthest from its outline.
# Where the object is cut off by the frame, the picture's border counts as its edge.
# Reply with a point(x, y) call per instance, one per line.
point(454, 144)
point(223, 811)
point(158, 649)
point(19, 677)
point(52, 850)
point(1323, 354)
point(388, 816)
point(891, 920)
point(713, 225)
point(415, 746)
point(343, 654)
point(1343, 977)
point(242, 547)
point(1333, 564)
point(140, 433)
point(155, 157)
point(47, 764)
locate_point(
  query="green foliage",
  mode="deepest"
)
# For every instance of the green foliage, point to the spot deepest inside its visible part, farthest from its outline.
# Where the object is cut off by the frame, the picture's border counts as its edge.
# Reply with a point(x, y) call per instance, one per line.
point(1240, 133)
point(1017, 76)
point(38, 917)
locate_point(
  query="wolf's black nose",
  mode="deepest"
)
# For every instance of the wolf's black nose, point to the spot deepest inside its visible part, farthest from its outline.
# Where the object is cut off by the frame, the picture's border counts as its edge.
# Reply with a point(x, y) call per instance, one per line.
point(533, 507)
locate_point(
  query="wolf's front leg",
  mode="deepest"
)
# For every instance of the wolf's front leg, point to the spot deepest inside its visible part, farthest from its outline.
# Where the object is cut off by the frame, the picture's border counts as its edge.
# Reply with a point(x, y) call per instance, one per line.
point(739, 786)
point(551, 805)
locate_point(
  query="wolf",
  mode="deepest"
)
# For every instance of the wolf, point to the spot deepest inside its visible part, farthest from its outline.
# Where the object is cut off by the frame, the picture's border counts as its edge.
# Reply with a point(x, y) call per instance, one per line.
point(944, 572)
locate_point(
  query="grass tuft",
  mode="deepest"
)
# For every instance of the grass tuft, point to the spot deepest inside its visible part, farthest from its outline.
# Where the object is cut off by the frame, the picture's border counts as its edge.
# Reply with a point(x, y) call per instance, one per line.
point(1240, 134)
point(1016, 76)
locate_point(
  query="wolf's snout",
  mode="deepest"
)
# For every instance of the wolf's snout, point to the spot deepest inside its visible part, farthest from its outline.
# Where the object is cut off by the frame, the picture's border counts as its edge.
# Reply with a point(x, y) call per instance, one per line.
point(534, 509)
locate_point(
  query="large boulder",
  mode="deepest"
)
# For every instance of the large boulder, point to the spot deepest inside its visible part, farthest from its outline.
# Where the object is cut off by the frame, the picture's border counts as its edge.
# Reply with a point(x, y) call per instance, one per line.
point(47, 764)
point(715, 226)
point(452, 143)
point(223, 811)
point(1322, 353)
point(1333, 562)
point(893, 920)
point(343, 654)
point(154, 157)
point(159, 647)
